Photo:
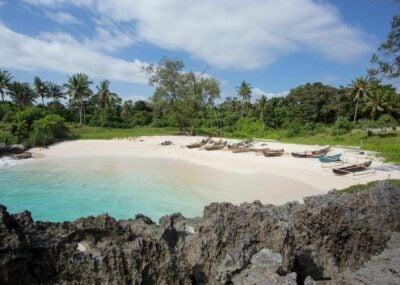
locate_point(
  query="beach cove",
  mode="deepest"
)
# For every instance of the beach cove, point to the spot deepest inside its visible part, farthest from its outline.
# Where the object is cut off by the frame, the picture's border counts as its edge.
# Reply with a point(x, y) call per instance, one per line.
point(124, 177)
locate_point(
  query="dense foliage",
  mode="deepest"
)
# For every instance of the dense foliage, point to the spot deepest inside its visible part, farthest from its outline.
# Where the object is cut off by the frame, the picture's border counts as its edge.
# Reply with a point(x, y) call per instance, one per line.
point(188, 101)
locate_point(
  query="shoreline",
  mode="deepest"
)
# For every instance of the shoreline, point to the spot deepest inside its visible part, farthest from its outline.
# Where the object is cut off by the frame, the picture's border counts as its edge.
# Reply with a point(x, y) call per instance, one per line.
point(304, 170)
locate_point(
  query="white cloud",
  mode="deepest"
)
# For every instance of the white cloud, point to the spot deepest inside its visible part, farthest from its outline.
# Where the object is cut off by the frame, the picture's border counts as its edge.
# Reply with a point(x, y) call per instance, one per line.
point(62, 53)
point(59, 3)
point(63, 18)
point(110, 39)
point(134, 98)
point(257, 93)
point(329, 79)
point(232, 33)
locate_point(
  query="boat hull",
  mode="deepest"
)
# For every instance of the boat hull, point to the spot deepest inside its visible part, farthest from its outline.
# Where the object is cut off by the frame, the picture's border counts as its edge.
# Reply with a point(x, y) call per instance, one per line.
point(352, 168)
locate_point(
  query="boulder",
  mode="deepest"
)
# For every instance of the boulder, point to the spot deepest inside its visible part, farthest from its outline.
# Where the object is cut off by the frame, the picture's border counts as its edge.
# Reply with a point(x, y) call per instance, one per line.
point(23, 155)
point(16, 149)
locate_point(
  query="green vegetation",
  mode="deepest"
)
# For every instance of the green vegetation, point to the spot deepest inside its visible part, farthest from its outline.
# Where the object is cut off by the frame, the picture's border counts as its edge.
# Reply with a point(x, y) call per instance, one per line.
point(364, 113)
point(96, 133)
point(364, 187)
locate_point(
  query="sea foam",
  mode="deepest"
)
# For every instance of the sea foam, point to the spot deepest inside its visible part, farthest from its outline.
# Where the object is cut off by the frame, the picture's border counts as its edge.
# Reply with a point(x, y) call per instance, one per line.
point(9, 162)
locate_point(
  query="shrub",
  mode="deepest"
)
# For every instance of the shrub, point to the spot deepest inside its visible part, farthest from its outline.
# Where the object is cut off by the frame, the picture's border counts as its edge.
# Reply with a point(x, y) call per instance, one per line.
point(292, 129)
point(48, 129)
point(365, 124)
point(386, 121)
point(6, 112)
point(249, 127)
point(29, 115)
point(341, 127)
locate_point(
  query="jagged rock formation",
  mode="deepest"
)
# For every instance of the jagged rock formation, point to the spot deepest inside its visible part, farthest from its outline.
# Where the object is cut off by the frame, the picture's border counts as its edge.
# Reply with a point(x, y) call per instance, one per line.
point(330, 239)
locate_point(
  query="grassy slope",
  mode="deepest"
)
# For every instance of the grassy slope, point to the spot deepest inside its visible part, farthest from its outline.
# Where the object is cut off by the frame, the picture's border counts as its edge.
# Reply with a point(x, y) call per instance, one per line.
point(388, 146)
point(110, 133)
point(363, 187)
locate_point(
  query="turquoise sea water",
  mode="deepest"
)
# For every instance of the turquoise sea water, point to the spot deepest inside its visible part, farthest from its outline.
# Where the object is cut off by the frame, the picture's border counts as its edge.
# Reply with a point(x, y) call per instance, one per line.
point(59, 190)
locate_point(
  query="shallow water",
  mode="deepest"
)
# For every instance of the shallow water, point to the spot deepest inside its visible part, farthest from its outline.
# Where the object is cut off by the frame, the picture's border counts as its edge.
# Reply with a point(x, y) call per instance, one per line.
point(60, 190)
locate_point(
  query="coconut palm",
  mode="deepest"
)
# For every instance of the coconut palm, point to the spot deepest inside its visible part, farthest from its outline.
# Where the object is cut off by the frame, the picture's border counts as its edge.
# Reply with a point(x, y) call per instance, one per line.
point(105, 99)
point(244, 92)
point(41, 88)
point(382, 100)
point(126, 109)
point(262, 106)
point(55, 92)
point(21, 94)
point(78, 90)
point(358, 88)
point(5, 80)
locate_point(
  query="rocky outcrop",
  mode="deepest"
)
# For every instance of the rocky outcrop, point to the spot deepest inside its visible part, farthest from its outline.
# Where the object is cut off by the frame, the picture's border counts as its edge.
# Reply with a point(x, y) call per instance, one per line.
point(12, 150)
point(24, 155)
point(330, 239)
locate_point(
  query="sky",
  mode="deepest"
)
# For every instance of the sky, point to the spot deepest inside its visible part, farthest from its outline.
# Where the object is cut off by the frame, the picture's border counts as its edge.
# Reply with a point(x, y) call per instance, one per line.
point(273, 45)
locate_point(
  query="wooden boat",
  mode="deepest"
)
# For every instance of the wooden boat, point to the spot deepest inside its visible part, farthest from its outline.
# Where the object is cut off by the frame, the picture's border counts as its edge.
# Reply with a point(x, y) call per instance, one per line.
point(198, 144)
point(240, 149)
point(352, 168)
point(194, 145)
point(273, 152)
point(214, 147)
point(312, 154)
point(331, 158)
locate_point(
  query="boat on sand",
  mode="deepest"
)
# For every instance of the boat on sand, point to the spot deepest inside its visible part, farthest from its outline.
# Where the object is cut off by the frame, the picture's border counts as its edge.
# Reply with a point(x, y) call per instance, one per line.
point(330, 158)
point(312, 154)
point(214, 147)
point(198, 144)
point(273, 152)
point(352, 168)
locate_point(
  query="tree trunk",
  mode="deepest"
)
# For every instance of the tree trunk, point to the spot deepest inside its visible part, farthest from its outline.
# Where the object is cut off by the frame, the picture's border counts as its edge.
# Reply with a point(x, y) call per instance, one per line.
point(241, 110)
point(2, 96)
point(42, 102)
point(80, 114)
point(262, 119)
point(84, 114)
point(355, 113)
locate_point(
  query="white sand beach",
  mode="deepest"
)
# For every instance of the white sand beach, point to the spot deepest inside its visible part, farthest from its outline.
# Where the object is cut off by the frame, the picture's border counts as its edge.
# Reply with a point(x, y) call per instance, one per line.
point(301, 176)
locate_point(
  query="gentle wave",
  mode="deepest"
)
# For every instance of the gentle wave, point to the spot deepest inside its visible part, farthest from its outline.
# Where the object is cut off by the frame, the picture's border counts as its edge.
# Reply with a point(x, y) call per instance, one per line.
point(9, 162)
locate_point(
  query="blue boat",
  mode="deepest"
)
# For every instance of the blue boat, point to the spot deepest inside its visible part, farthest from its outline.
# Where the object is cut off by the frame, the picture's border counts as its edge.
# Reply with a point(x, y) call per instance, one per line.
point(330, 158)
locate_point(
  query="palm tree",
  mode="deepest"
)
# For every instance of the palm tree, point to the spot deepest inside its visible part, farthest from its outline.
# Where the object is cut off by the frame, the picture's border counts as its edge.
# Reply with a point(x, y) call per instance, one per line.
point(41, 88)
point(380, 101)
point(5, 80)
point(21, 94)
point(262, 106)
point(104, 98)
point(78, 89)
point(127, 109)
point(244, 91)
point(55, 92)
point(358, 89)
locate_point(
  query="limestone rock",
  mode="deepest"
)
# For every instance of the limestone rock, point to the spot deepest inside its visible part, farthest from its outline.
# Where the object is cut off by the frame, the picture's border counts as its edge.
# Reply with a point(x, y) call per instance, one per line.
point(331, 239)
